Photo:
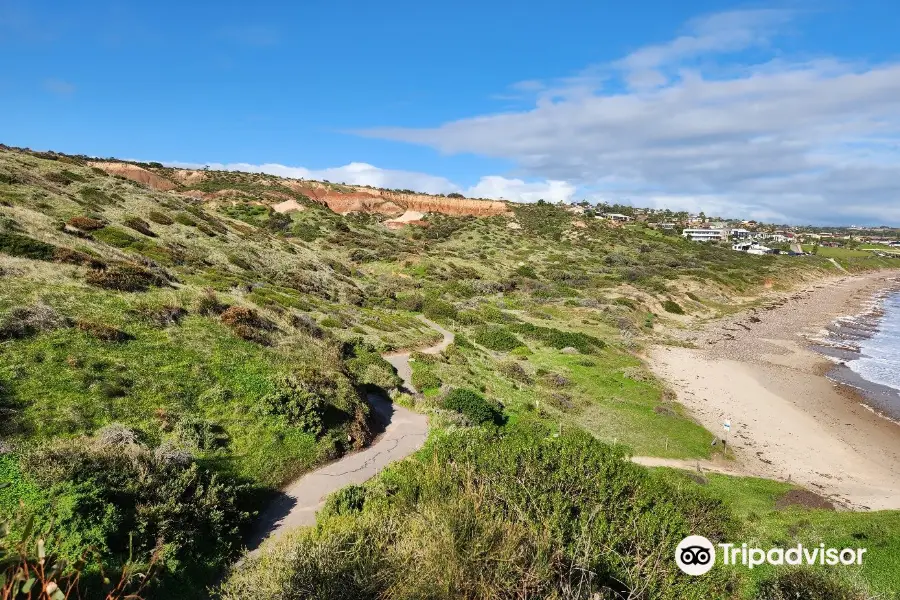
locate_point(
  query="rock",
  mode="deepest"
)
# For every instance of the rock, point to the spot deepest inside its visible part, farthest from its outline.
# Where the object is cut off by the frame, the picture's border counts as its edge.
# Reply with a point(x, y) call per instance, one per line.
point(569, 350)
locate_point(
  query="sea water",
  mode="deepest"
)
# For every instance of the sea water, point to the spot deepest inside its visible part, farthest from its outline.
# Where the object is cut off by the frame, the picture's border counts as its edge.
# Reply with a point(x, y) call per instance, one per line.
point(879, 354)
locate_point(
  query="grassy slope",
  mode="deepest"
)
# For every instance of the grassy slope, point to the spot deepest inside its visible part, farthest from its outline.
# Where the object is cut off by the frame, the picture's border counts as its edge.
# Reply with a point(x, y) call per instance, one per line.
point(753, 501)
point(354, 279)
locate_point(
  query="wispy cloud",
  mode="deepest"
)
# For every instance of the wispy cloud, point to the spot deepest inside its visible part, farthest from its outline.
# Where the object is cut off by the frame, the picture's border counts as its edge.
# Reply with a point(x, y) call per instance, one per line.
point(59, 87)
point(795, 140)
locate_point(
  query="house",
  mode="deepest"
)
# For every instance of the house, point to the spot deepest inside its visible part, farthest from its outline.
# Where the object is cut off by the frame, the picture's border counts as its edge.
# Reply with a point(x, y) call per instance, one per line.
point(750, 248)
point(705, 235)
point(618, 218)
point(741, 234)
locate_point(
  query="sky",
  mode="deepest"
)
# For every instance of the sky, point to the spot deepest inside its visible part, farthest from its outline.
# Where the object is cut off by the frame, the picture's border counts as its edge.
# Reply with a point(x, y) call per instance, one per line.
point(785, 112)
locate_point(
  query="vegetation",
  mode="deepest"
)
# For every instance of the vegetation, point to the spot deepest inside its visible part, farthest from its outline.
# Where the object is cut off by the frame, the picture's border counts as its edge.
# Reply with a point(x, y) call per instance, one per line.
point(483, 515)
point(167, 365)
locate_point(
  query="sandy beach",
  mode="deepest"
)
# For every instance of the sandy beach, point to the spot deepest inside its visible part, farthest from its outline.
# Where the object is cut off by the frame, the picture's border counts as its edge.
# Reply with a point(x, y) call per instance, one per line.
point(788, 421)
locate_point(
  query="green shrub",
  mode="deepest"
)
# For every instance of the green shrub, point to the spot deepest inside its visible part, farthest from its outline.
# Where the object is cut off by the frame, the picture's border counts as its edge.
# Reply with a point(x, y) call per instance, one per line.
point(368, 367)
point(515, 513)
point(184, 219)
point(25, 247)
point(346, 501)
point(438, 310)
point(672, 307)
point(116, 237)
point(302, 399)
point(806, 584)
point(124, 278)
point(86, 223)
point(559, 339)
point(496, 337)
point(115, 495)
point(159, 218)
point(247, 324)
point(92, 195)
point(139, 225)
point(200, 433)
point(423, 377)
point(25, 321)
point(472, 405)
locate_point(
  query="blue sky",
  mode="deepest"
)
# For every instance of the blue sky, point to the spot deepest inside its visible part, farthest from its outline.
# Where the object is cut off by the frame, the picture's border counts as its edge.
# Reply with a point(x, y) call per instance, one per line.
point(781, 111)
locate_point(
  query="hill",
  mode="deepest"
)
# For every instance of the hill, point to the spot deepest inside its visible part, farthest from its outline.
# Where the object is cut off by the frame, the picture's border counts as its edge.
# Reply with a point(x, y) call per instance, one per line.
point(178, 344)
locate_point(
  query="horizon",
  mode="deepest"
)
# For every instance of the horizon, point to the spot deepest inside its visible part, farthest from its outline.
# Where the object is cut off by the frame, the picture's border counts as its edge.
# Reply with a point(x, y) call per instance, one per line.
point(784, 114)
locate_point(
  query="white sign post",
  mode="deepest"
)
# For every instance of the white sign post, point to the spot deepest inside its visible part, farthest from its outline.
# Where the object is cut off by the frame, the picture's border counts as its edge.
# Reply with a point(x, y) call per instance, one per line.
point(727, 427)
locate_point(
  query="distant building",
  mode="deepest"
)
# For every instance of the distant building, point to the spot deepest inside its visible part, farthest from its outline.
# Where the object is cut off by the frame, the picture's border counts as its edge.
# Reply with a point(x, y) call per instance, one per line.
point(618, 218)
point(705, 235)
point(741, 234)
point(750, 248)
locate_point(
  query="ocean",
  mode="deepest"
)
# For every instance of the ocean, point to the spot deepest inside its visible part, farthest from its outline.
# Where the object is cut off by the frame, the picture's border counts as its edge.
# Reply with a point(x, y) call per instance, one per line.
point(879, 355)
point(866, 348)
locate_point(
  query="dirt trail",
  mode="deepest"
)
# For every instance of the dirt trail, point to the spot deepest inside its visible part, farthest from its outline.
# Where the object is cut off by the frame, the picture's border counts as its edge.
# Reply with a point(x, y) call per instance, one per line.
point(688, 464)
point(404, 433)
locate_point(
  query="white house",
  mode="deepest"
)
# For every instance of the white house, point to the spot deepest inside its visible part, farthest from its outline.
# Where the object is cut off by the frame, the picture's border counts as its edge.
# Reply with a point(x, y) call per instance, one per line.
point(741, 234)
point(618, 218)
point(750, 248)
point(705, 235)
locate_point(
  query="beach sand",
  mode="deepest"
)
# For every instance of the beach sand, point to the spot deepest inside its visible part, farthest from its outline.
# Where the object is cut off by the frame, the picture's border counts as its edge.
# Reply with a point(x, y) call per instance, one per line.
point(788, 421)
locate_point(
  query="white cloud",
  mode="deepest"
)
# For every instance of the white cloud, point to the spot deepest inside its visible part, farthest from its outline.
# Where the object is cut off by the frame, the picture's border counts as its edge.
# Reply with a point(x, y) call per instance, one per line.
point(492, 186)
point(804, 140)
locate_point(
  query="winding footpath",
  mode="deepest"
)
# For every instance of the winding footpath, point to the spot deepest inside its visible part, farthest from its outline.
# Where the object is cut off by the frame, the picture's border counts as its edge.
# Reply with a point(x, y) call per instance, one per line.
point(404, 433)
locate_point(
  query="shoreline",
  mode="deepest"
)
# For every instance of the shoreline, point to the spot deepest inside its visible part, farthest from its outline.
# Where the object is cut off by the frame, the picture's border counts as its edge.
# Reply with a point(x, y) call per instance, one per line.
point(789, 420)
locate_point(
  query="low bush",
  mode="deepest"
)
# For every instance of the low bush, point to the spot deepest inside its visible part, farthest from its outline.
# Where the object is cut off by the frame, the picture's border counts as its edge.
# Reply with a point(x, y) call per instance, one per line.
point(208, 303)
point(159, 218)
point(806, 584)
point(672, 307)
point(200, 433)
point(124, 278)
point(93, 196)
point(302, 398)
point(85, 223)
point(75, 257)
point(103, 332)
point(346, 501)
point(115, 237)
point(499, 514)
point(438, 310)
point(424, 378)
point(558, 339)
point(112, 494)
point(139, 225)
point(183, 219)
point(368, 367)
point(473, 405)
point(25, 247)
point(25, 321)
point(247, 323)
point(497, 338)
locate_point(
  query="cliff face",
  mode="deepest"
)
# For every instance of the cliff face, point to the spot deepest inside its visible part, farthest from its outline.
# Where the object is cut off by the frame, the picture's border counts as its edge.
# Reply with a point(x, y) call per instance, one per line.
point(363, 199)
point(341, 199)
point(136, 173)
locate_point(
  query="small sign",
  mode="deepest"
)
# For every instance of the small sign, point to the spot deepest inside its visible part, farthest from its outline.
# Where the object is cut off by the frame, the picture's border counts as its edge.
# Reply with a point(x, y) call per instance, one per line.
point(726, 426)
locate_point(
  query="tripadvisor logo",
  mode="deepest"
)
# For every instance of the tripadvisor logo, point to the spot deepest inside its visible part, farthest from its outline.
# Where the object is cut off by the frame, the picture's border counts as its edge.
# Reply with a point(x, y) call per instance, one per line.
point(696, 555)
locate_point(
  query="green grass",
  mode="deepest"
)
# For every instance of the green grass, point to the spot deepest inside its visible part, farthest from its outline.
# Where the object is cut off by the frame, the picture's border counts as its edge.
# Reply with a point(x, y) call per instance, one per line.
point(752, 500)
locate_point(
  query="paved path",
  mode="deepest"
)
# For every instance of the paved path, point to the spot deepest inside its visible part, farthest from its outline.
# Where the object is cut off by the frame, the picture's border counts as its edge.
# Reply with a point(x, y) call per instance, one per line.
point(400, 360)
point(404, 433)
